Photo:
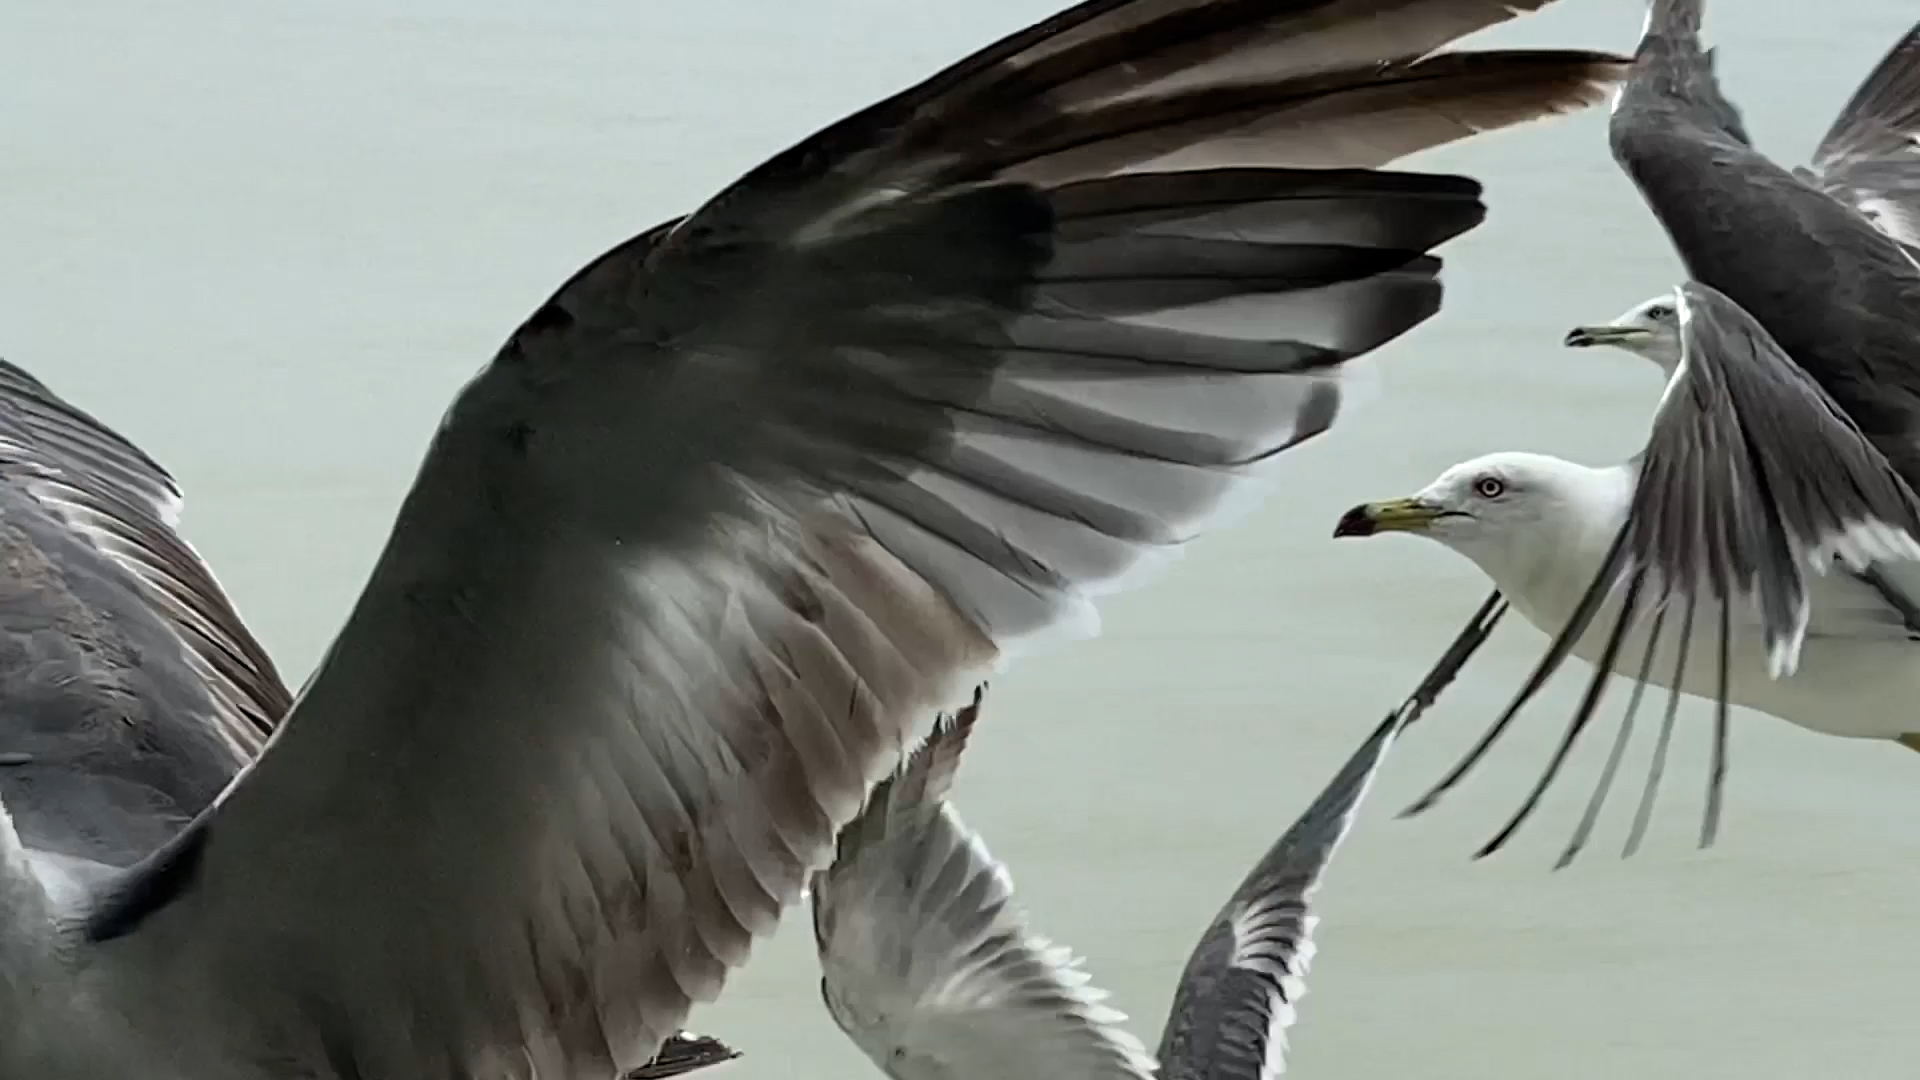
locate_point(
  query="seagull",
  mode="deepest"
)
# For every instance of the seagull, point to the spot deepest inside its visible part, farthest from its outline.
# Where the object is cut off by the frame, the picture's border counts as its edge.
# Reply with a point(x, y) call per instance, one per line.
point(691, 561)
point(1649, 329)
point(1803, 352)
point(931, 969)
point(131, 692)
point(1788, 438)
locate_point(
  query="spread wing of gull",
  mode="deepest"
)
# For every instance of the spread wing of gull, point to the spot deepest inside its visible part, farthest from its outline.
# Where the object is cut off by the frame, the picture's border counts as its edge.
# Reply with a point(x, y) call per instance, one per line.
point(686, 565)
point(1244, 980)
point(926, 963)
point(130, 690)
point(1752, 477)
point(1871, 156)
point(931, 970)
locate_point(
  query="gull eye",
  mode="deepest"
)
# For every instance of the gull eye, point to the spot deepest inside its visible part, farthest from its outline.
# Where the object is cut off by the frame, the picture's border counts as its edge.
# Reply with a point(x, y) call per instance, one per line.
point(1489, 487)
point(1659, 313)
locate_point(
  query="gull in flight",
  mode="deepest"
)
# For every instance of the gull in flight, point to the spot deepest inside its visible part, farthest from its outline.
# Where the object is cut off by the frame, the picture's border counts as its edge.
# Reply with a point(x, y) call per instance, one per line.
point(692, 559)
point(1761, 550)
point(931, 969)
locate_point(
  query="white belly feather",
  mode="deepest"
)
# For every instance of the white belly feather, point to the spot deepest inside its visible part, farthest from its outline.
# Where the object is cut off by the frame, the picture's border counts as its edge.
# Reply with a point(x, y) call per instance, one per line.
point(1858, 677)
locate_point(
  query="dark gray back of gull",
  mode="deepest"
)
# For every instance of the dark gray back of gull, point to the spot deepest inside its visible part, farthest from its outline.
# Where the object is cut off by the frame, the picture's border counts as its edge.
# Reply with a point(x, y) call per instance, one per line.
point(130, 691)
point(1764, 235)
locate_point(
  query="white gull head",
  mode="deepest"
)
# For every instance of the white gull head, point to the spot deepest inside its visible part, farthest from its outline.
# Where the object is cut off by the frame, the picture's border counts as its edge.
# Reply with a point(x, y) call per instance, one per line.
point(1650, 329)
point(1538, 526)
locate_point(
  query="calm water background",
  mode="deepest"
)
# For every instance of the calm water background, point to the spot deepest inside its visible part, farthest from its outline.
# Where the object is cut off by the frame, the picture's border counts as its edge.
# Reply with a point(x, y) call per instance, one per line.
point(269, 240)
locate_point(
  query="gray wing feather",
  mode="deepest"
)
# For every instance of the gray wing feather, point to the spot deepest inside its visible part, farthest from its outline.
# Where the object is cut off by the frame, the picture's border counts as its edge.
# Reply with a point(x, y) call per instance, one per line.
point(1870, 158)
point(927, 965)
point(119, 500)
point(1753, 476)
point(690, 561)
point(1244, 980)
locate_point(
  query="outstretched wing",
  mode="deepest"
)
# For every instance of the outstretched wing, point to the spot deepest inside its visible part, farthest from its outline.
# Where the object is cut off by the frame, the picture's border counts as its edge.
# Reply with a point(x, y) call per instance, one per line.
point(1870, 158)
point(1244, 980)
point(689, 563)
point(130, 691)
point(927, 965)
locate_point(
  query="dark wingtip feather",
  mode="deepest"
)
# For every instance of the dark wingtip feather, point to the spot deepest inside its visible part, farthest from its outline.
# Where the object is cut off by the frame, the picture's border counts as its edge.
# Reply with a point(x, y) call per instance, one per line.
point(1643, 814)
point(1582, 716)
point(1888, 100)
point(1419, 806)
point(683, 1053)
point(1308, 844)
point(938, 758)
point(1868, 156)
point(1717, 771)
point(1444, 671)
point(920, 783)
point(1597, 800)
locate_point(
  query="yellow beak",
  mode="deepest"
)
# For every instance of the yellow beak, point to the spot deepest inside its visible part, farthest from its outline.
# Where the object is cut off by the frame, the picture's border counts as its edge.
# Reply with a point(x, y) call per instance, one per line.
point(1393, 515)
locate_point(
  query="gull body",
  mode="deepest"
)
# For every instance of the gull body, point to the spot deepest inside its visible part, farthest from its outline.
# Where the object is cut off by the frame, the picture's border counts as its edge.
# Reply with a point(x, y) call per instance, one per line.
point(1545, 535)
